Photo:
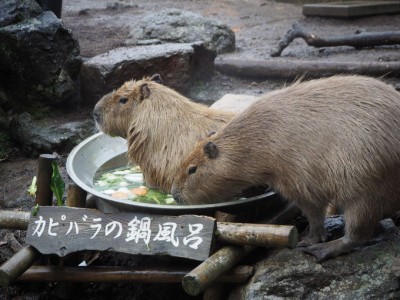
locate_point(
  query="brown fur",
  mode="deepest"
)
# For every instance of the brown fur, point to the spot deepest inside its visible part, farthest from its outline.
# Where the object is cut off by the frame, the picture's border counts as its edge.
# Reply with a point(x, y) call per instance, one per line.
point(161, 126)
point(328, 141)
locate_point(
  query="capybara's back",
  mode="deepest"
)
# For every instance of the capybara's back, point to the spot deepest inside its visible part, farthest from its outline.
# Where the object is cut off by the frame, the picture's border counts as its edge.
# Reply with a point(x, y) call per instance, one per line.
point(334, 140)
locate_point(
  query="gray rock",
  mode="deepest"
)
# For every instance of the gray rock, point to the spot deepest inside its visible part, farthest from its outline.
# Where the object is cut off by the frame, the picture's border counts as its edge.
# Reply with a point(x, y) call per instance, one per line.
point(48, 135)
point(179, 26)
point(12, 12)
point(234, 102)
point(178, 64)
point(40, 59)
point(366, 273)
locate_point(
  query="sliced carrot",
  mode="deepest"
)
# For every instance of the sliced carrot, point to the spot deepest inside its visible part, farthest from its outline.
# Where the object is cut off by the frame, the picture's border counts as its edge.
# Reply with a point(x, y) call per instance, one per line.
point(140, 191)
point(120, 195)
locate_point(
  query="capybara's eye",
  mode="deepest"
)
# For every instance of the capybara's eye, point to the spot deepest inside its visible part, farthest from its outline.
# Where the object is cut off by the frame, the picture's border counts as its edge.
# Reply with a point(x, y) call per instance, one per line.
point(123, 100)
point(192, 170)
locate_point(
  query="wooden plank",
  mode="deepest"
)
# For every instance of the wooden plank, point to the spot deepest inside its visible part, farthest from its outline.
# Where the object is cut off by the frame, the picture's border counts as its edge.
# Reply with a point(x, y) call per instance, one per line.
point(63, 230)
point(351, 9)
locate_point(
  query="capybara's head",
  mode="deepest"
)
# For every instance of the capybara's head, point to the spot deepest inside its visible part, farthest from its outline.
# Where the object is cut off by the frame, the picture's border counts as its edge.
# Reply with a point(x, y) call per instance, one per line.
point(207, 175)
point(113, 113)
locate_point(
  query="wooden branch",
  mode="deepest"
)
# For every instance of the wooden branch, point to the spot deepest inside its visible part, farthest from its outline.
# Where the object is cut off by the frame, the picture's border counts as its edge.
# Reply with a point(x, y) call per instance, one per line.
point(239, 274)
point(289, 69)
point(10, 219)
point(208, 271)
point(204, 274)
point(44, 195)
point(360, 40)
point(17, 265)
point(12, 242)
point(264, 235)
point(76, 196)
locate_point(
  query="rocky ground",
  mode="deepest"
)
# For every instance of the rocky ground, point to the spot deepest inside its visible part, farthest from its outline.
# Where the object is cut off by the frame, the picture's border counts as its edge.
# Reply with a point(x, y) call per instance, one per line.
point(103, 25)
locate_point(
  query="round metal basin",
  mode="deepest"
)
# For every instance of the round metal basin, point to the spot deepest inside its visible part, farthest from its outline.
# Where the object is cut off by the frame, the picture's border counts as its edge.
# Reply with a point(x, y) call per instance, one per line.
point(102, 152)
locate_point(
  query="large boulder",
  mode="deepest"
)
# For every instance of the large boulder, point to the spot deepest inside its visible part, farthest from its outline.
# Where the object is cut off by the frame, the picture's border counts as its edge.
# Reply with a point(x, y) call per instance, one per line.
point(48, 135)
point(40, 59)
point(179, 65)
point(366, 273)
point(179, 26)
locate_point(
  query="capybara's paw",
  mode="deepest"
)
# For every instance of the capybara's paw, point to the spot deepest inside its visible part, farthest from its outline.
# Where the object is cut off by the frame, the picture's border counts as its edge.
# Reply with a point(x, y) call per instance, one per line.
point(323, 251)
point(312, 239)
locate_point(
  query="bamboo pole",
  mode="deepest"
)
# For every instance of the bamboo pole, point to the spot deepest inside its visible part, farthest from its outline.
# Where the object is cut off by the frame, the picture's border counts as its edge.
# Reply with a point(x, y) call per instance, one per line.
point(264, 235)
point(17, 265)
point(44, 195)
point(239, 274)
point(10, 219)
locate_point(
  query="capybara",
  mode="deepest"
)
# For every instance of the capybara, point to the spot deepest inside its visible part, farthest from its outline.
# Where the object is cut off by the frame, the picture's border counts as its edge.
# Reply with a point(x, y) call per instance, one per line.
point(160, 125)
point(327, 141)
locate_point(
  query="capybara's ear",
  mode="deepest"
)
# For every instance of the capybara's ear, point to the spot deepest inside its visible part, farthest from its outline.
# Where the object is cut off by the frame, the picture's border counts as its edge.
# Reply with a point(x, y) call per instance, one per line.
point(211, 150)
point(144, 91)
point(156, 78)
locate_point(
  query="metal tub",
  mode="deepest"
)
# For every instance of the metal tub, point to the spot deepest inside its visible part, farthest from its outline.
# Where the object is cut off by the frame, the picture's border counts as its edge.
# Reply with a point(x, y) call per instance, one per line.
point(102, 152)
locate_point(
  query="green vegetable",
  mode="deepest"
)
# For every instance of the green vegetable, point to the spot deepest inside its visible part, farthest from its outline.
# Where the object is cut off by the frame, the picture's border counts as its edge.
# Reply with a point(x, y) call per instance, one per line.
point(33, 187)
point(35, 210)
point(57, 184)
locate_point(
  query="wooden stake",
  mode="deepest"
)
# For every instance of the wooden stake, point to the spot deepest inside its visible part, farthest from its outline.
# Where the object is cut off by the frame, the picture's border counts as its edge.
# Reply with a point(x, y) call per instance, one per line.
point(76, 196)
point(44, 195)
point(17, 265)
point(264, 235)
point(239, 274)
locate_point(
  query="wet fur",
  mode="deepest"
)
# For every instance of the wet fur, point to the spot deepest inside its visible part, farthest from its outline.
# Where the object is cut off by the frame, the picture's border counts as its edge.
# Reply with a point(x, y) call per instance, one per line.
point(160, 125)
point(327, 141)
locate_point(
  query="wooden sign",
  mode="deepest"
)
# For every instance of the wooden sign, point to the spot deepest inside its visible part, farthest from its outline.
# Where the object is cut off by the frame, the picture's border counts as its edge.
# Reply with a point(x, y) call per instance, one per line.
point(63, 230)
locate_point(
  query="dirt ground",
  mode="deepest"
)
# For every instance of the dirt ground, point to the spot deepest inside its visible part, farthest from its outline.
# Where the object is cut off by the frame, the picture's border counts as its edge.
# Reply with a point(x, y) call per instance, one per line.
point(103, 25)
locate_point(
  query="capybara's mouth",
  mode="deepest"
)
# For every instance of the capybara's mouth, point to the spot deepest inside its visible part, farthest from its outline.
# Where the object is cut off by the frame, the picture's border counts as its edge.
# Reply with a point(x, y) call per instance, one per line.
point(177, 195)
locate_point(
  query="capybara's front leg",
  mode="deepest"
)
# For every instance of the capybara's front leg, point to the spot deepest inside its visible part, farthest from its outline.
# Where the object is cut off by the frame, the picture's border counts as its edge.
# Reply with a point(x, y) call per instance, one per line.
point(358, 230)
point(315, 216)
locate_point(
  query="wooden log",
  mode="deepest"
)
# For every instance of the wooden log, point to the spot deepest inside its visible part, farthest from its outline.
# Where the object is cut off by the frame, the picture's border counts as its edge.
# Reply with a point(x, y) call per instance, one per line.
point(290, 69)
point(76, 196)
point(10, 219)
point(204, 274)
point(17, 265)
point(208, 271)
point(44, 195)
point(216, 291)
point(239, 274)
point(264, 235)
point(359, 40)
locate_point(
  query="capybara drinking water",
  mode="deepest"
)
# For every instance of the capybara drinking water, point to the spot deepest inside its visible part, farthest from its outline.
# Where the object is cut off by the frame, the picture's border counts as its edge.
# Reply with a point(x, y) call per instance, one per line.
point(327, 141)
point(160, 125)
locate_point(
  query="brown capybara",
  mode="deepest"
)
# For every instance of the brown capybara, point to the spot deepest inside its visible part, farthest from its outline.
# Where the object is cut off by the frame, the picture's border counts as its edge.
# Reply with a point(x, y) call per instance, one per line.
point(160, 125)
point(334, 140)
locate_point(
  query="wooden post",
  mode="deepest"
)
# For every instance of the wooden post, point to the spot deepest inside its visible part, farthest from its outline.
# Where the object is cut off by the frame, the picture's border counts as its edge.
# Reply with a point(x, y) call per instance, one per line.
point(44, 195)
point(76, 196)
point(17, 265)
